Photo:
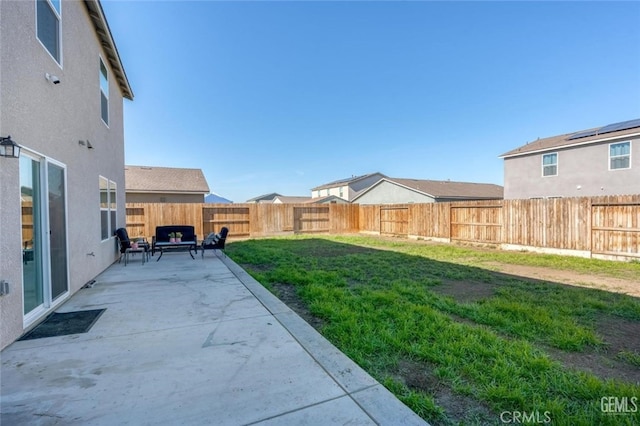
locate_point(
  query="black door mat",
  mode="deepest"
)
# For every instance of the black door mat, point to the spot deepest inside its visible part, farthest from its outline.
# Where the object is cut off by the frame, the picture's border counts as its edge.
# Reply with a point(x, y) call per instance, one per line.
point(62, 324)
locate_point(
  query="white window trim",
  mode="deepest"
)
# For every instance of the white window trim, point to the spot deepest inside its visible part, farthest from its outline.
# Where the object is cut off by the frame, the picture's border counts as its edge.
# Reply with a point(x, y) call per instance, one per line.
point(59, 16)
point(108, 209)
point(618, 156)
point(547, 165)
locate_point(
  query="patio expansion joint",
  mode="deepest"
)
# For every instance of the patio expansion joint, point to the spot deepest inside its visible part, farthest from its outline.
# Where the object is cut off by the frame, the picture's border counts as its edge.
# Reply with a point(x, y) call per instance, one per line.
point(315, 405)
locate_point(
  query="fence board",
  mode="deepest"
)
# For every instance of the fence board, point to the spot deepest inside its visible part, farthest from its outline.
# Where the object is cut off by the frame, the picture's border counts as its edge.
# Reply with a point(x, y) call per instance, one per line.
point(309, 219)
point(394, 220)
point(615, 226)
point(369, 218)
point(344, 218)
point(235, 218)
point(477, 223)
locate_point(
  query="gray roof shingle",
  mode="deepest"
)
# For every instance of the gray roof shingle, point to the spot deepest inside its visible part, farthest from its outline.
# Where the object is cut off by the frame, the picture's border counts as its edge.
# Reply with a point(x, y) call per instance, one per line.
point(164, 179)
point(449, 189)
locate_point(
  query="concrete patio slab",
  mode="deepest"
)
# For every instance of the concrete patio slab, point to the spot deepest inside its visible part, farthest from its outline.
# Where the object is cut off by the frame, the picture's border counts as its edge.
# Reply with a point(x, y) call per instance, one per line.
point(190, 342)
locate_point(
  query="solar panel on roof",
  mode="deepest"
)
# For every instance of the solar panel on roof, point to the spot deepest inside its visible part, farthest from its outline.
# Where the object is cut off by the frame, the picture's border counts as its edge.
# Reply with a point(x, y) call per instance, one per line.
point(584, 134)
point(623, 125)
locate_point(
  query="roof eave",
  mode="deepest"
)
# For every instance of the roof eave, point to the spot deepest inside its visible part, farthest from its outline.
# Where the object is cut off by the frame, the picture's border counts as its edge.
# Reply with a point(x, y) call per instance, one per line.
point(94, 8)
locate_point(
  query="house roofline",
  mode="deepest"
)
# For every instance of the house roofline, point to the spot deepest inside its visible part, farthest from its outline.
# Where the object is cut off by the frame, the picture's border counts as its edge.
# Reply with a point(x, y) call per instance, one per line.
point(346, 181)
point(390, 180)
point(101, 26)
point(569, 145)
point(159, 191)
point(435, 197)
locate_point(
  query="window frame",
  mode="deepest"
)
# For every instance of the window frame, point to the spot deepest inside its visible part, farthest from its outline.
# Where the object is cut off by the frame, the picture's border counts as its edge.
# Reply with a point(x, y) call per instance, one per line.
point(57, 14)
point(544, 166)
point(108, 207)
point(104, 91)
point(612, 157)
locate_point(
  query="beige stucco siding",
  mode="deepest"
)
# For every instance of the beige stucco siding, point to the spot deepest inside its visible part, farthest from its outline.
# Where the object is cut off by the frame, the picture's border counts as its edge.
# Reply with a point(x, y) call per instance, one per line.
point(582, 171)
point(48, 120)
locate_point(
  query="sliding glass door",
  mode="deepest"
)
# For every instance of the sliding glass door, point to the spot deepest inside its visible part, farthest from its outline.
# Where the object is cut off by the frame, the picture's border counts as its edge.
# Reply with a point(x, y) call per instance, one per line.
point(44, 234)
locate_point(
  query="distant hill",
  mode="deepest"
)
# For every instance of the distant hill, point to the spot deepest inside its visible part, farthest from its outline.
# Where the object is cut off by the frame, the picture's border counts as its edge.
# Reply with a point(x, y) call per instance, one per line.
point(215, 198)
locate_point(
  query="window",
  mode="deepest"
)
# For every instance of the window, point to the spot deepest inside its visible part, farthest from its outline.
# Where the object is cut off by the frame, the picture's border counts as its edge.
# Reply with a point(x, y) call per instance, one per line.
point(550, 164)
point(620, 155)
point(104, 93)
point(108, 207)
point(48, 26)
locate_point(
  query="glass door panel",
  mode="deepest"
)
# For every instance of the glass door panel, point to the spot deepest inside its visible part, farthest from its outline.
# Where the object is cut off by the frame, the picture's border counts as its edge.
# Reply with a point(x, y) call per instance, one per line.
point(30, 195)
point(57, 230)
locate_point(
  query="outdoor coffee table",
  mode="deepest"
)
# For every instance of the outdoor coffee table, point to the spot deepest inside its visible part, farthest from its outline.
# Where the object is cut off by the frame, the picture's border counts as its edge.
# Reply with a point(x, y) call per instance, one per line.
point(140, 249)
point(190, 245)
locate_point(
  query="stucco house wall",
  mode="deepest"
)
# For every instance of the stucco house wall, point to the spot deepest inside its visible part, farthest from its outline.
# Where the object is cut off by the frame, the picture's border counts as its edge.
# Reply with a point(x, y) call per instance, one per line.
point(48, 120)
point(364, 183)
point(582, 171)
point(389, 193)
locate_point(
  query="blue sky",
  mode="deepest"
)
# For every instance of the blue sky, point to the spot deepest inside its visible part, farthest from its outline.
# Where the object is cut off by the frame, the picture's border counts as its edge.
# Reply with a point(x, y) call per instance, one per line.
point(284, 96)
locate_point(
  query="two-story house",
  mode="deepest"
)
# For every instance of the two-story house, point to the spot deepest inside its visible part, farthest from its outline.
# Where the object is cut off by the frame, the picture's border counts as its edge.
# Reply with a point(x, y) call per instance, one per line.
point(347, 188)
point(598, 161)
point(62, 86)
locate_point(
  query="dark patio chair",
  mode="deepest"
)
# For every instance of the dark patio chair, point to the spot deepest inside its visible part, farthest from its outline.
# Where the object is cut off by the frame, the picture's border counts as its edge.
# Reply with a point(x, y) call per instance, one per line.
point(126, 243)
point(215, 241)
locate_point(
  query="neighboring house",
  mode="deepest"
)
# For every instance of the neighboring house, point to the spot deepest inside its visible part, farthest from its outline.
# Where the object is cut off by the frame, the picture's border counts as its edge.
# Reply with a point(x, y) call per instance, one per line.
point(216, 199)
point(281, 199)
point(146, 184)
point(401, 191)
point(346, 188)
point(62, 86)
point(266, 198)
point(331, 199)
point(599, 161)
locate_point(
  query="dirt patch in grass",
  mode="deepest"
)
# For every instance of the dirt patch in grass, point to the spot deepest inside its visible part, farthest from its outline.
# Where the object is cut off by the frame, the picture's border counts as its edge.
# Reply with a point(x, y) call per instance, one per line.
point(459, 409)
point(617, 285)
point(287, 294)
point(619, 334)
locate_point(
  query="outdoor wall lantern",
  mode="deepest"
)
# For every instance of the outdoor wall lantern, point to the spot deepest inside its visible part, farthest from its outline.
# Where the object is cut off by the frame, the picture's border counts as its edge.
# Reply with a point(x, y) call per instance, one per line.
point(9, 148)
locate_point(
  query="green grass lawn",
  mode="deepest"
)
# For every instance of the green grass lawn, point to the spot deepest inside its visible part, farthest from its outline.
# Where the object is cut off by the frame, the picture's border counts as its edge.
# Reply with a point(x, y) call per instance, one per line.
point(382, 303)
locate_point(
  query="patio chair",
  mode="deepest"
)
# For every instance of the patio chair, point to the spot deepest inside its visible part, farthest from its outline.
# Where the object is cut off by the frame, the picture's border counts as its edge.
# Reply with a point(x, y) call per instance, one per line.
point(126, 244)
point(215, 241)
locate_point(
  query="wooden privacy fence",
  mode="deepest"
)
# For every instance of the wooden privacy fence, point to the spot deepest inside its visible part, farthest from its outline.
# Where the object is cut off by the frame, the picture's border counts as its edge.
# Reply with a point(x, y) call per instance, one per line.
point(608, 226)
